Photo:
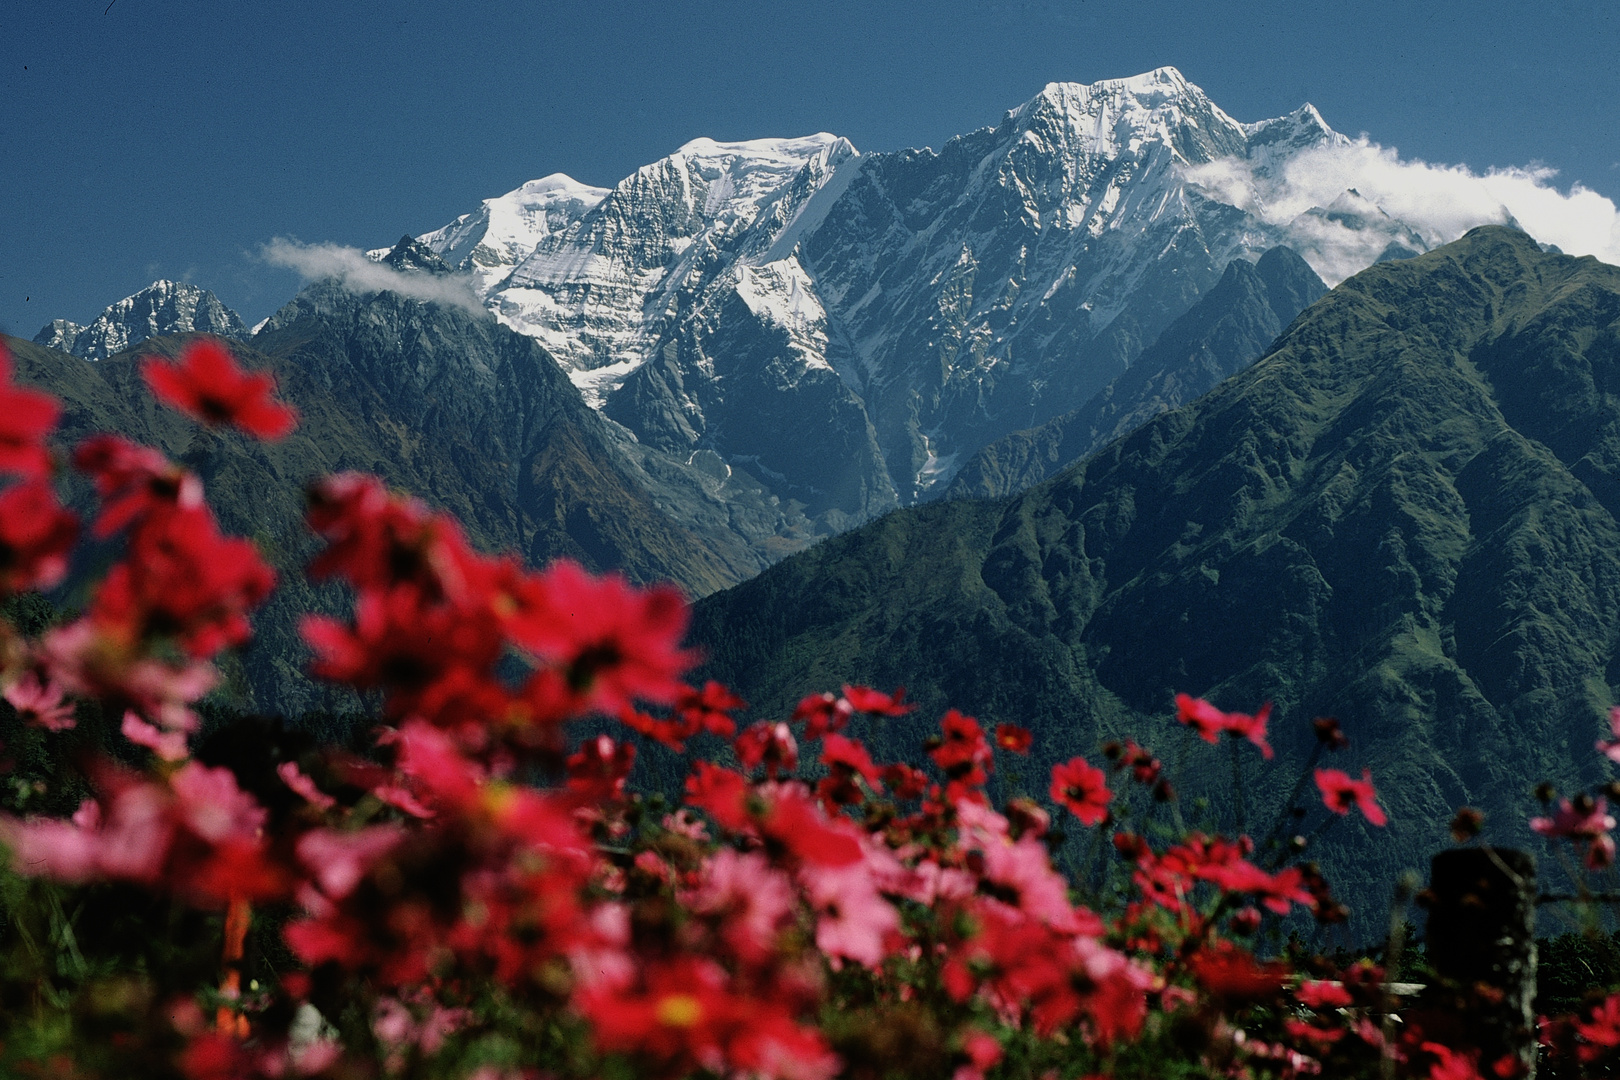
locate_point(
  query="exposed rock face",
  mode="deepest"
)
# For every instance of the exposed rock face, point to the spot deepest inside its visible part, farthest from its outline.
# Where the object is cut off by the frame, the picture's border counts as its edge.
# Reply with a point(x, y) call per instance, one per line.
point(163, 307)
point(1227, 330)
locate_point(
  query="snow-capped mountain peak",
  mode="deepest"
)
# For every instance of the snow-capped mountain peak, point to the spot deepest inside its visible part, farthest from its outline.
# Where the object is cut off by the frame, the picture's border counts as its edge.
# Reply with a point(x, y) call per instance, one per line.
point(504, 230)
point(1121, 116)
point(597, 293)
point(163, 307)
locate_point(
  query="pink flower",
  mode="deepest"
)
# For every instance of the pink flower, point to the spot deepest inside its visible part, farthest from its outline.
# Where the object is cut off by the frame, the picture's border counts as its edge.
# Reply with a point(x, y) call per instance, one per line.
point(60, 850)
point(339, 860)
point(1020, 875)
point(754, 899)
point(213, 807)
point(128, 842)
point(92, 662)
point(303, 785)
point(1610, 748)
point(1340, 793)
point(167, 745)
point(1586, 822)
point(40, 702)
point(852, 919)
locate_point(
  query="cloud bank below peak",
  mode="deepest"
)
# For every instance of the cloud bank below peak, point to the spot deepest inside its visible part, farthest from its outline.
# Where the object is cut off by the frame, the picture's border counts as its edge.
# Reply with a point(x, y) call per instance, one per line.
point(357, 273)
point(1438, 202)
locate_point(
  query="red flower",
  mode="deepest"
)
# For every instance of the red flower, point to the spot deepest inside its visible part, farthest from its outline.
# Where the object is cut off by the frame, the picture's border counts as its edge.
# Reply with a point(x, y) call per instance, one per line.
point(1210, 722)
point(1601, 1033)
point(1145, 768)
point(598, 771)
point(1229, 972)
point(207, 385)
point(707, 709)
point(962, 753)
point(822, 713)
point(1323, 995)
point(862, 699)
point(721, 792)
point(1340, 793)
point(1014, 738)
point(613, 643)
point(838, 752)
point(134, 482)
point(26, 416)
point(1082, 788)
point(36, 535)
point(1449, 1064)
point(769, 744)
point(183, 579)
point(904, 781)
point(798, 824)
point(1275, 891)
point(1329, 734)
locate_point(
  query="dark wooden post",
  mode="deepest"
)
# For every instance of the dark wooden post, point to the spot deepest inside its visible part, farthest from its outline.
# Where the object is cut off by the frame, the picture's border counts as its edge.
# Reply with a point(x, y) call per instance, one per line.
point(1482, 947)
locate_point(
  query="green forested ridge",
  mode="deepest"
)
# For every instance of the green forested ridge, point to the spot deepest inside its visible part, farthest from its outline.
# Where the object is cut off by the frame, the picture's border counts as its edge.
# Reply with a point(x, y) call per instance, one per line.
point(469, 416)
point(1404, 516)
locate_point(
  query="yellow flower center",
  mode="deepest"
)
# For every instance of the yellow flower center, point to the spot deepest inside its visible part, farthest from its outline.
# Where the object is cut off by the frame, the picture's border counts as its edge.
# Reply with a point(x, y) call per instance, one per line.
point(679, 1010)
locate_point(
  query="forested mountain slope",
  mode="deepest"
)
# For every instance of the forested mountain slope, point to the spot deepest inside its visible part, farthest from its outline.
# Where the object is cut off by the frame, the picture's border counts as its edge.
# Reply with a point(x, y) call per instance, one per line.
point(1405, 516)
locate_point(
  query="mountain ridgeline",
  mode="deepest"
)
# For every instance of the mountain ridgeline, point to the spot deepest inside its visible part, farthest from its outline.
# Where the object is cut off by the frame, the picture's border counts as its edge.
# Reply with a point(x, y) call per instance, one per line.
point(1407, 516)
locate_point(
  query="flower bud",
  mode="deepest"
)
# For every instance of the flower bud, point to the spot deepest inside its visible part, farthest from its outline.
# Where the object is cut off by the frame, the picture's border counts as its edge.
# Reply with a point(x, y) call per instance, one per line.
point(1466, 825)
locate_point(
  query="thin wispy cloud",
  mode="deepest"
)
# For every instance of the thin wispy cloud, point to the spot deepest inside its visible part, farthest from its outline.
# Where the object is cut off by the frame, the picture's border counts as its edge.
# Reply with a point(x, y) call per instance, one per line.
point(1439, 202)
point(357, 273)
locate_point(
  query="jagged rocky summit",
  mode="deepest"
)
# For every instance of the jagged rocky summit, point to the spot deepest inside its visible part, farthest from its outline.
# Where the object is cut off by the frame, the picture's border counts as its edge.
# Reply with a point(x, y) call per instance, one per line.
point(851, 328)
point(163, 307)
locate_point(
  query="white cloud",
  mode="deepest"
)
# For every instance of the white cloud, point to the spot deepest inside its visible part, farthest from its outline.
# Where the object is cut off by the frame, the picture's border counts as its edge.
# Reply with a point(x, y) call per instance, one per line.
point(1439, 202)
point(355, 272)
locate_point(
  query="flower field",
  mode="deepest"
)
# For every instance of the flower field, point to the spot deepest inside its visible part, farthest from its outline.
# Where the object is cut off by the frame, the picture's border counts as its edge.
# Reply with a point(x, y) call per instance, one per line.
point(476, 889)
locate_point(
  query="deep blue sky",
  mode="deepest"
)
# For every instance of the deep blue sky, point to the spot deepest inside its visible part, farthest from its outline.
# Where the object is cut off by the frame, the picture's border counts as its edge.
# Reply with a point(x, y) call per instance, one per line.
point(169, 138)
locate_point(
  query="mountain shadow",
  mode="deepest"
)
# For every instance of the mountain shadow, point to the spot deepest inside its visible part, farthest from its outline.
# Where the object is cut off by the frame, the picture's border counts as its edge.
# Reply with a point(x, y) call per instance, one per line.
point(1229, 328)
